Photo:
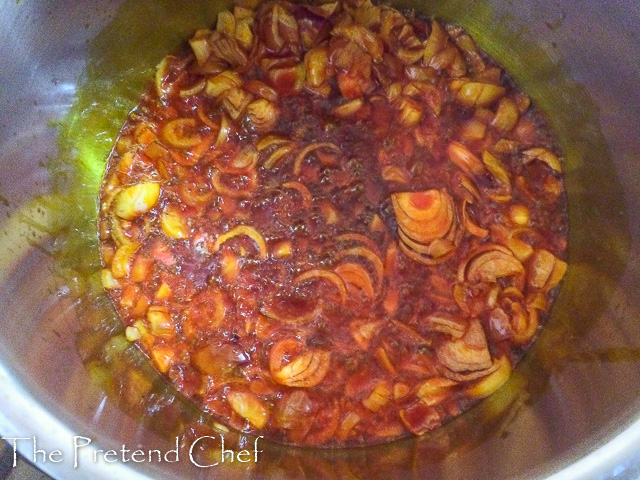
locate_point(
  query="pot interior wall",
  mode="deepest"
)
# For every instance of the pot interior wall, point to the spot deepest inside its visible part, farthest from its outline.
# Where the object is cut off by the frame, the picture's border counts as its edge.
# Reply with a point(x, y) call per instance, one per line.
point(579, 387)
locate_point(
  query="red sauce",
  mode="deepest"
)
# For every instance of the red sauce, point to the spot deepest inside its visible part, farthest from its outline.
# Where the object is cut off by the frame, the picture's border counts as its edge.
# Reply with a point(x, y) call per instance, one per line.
point(333, 225)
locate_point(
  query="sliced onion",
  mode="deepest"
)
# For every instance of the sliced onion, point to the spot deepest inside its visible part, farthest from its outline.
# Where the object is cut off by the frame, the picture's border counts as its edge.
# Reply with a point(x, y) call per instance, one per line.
point(494, 264)
point(269, 140)
point(243, 230)
point(277, 156)
point(471, 227)
point(433, 390)
point(464, 159)
point(543, 155)
point(299, 319)
point(355, 274)
point(363, 331)
point(360, 238)
point(379, 397)
point(136, 200)
point(243, 192)
point(446, 323)
point(306, 368)
point(392, 173)
point(307, 198)
point(467, 354)
point(422, 259)
point(297, 164)
point(437, 248)
point(325, 275)
point(180, 133)
point(367, 254)
point(121, 262)
point(492, 382)
point(242, 162)
point(224, 132)
point(485, 268)
point(249, 407)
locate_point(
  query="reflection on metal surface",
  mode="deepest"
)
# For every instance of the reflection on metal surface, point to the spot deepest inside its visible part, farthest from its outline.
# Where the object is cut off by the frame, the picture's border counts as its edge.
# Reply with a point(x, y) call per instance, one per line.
point(575, 390)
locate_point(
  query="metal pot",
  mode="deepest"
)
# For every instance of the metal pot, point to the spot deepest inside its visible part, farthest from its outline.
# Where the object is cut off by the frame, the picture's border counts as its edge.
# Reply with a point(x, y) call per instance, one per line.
point(572, 410)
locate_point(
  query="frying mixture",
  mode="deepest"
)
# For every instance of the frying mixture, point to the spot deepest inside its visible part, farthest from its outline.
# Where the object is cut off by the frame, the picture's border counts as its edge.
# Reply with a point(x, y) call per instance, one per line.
point(333, 224)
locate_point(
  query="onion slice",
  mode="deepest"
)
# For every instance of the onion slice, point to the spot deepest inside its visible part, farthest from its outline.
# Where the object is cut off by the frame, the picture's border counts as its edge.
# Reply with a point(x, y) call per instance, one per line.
point(326, 275)
point(243, 230)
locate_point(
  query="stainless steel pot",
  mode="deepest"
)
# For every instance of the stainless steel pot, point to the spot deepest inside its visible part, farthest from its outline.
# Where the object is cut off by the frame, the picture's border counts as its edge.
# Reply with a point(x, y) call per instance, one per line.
point(573, 408)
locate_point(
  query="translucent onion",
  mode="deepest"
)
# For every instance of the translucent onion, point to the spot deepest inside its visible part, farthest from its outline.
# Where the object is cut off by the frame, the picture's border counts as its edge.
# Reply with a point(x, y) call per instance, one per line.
point(497, 169)
point(435, 43)
point(302, 319)
point(173, 223)
point(278, 155)
point(545, 270)
point(433, 390)
point(160, 322)
point(271, 140)
point(325, 275)
point(379, 397)
point(316, 62)
point(136, 200)
point(348, 109)
point(243, 230)
point(297, 164)
point(108, 282)
point(424, 216)
point(249, 407)
point(464, 159)
point(364, 38)
point(222, 82)
point(445, 323)
point(262, 114)
point(359, 238)
point(307, 198)
point(306, 369)
point(121, 263)
point(492, 382)
point(467, 354)
point(235, 100)
point(368, 255)
point(543, 155)
point(250, 180)
point(355, 274)
point(507, 115)
point(180, 133)
point(476, 94)
point(363, 332)
point(492, 263)
point(200, 46)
